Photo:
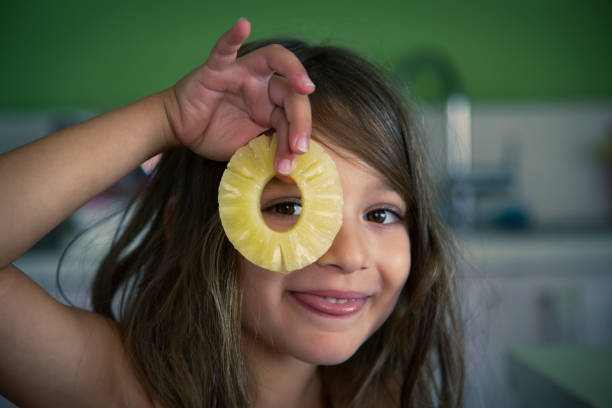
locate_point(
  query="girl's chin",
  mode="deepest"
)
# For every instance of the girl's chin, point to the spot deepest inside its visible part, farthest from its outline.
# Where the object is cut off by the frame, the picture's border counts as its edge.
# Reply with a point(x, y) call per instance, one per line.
point(326, 354)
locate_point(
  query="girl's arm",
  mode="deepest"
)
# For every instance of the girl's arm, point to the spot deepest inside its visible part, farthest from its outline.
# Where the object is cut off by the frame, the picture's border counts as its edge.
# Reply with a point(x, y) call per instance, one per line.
point(44, 182)
point(214, 110)
point(53, 355)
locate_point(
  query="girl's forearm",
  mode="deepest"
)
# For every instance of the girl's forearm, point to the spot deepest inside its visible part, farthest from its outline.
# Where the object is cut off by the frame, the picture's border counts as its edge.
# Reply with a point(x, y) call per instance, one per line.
point(44, 182)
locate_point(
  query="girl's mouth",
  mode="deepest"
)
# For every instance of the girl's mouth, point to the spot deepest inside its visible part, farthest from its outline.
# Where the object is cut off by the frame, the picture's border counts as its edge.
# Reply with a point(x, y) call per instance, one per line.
point(331, 303)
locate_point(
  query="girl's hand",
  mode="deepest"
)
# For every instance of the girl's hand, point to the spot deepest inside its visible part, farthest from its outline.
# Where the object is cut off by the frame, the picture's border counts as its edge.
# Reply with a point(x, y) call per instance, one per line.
point(228, 101)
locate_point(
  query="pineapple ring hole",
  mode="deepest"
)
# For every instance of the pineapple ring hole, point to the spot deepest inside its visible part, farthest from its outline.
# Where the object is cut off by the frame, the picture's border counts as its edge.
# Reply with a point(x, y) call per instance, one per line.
point(280, 204)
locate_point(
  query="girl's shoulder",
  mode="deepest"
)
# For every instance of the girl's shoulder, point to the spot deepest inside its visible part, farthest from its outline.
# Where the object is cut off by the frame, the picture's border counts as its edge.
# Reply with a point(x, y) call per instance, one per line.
point(60, 355)
point(126, 388)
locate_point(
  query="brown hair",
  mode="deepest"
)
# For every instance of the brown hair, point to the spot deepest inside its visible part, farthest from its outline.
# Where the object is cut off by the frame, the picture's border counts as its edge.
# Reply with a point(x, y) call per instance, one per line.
point(173, 274)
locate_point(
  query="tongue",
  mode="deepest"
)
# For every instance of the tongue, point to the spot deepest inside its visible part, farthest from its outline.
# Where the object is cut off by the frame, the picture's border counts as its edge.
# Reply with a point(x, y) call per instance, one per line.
point(319, 304)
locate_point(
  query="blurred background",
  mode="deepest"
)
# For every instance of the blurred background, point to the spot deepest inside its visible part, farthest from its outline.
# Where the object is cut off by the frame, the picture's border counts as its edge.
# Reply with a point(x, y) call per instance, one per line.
point(514, 100)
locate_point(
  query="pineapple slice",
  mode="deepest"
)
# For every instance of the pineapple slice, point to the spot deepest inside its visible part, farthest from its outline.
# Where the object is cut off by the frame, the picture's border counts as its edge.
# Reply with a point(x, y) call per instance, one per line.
point(248, 172)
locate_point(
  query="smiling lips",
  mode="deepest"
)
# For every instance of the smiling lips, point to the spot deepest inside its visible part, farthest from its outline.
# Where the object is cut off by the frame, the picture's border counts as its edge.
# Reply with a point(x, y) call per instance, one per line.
point(332, 303)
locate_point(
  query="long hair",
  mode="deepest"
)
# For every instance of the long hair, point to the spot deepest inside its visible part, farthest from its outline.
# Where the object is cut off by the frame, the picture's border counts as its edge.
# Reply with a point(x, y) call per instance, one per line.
point(172, 274)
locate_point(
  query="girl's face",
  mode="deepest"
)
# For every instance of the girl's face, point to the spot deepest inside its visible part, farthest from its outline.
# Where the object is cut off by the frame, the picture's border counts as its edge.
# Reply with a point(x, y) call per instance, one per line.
point(323, 313)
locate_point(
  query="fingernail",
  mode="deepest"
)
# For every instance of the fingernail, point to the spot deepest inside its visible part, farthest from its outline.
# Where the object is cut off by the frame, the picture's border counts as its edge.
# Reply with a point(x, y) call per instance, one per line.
point(308, 82)
point(284, 167)
point(302, 144)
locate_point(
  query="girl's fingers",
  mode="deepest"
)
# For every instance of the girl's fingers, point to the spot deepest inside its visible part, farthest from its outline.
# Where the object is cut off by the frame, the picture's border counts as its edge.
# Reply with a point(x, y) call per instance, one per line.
point(225, 50)
point(277, 59)
point(297, 113)
point(284, 160)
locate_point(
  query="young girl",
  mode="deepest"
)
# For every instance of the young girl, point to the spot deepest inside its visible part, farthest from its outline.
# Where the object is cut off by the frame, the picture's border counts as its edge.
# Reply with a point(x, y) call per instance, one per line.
point(196, 324)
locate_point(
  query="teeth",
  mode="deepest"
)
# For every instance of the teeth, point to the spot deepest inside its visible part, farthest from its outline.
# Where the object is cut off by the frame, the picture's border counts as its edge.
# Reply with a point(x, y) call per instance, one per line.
point(341, 301)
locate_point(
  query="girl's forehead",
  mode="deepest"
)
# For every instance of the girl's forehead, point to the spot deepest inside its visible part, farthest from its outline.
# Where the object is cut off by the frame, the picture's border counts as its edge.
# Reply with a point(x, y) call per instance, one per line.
point(354, 167)
point(336, 151)
point(361, 148)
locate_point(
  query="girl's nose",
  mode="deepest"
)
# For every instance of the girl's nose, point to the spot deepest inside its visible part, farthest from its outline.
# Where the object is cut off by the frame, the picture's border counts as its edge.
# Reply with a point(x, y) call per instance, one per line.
point(349, 252)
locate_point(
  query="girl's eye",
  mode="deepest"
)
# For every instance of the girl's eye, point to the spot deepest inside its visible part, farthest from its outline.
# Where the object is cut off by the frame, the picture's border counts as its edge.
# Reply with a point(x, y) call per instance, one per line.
point(285, 208)
point(382, 216)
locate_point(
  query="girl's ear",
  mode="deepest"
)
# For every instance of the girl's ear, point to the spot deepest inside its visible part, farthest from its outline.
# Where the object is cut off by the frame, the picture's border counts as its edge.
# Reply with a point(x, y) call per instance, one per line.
point(169, 210)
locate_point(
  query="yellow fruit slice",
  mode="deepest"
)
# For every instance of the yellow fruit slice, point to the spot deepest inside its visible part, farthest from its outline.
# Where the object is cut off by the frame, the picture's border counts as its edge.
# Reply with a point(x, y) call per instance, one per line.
point(248, 172)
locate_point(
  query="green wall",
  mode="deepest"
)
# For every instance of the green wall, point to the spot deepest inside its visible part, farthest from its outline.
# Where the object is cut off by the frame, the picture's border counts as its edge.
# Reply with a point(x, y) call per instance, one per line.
point(73, 54)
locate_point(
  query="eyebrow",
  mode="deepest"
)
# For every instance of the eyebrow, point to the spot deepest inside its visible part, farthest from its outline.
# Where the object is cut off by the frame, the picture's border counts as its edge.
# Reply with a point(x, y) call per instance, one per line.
point(275, 184)
point(382, 186)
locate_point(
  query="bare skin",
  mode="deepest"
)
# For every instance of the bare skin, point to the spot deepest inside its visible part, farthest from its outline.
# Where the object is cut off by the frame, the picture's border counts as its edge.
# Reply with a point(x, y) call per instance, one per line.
point(369, 257)
point(73, 357)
